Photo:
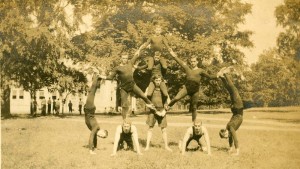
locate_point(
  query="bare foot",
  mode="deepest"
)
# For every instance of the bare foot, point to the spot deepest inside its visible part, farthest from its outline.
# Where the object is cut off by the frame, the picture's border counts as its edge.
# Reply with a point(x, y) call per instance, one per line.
point(147, 148)
point(179, 144)
point(204, 149)
point(92, 152)
point(235, 154)
point(230, 151)
point(168, 148)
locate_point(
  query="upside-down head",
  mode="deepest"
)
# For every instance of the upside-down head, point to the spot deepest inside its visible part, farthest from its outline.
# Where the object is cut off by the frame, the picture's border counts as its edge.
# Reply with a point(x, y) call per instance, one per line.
point(223, 133)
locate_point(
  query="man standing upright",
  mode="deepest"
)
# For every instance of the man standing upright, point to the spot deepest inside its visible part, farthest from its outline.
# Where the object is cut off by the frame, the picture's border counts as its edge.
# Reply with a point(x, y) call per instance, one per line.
point(80, 106)
point(49, 106)
point(159, 101)
point(70, 105)
point(43, 106)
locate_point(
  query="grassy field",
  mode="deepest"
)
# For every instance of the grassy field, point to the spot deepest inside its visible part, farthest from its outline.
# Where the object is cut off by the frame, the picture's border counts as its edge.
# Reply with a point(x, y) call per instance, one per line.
point(269, 138)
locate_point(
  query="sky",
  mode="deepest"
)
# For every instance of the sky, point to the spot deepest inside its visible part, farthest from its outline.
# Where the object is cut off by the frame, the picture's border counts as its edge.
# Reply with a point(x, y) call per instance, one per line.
point(262, 22)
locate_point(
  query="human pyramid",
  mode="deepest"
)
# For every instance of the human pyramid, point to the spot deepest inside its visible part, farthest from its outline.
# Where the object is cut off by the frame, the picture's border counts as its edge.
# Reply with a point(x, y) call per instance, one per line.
point(158, 101)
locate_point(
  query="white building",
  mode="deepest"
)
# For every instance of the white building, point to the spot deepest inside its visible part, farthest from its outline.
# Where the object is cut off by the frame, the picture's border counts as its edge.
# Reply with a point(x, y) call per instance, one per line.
point(105, 99)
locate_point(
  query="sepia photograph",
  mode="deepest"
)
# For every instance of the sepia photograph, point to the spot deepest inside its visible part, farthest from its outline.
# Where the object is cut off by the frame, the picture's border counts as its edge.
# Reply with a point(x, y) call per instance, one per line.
point(150, 84)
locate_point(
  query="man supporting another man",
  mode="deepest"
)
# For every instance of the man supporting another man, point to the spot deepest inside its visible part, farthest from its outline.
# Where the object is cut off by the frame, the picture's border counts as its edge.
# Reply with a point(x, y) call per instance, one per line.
point(159, 101)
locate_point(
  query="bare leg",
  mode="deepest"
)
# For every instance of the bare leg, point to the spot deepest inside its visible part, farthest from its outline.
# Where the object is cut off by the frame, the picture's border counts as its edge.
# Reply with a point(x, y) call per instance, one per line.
point(149, 136)
point(139, 93)
point(150, 90)
point(165, 138)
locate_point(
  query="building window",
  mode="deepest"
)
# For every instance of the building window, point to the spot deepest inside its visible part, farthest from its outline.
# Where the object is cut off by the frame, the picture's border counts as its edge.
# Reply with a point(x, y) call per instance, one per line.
point(14, 94)
point(42, 94)
point(21, 94)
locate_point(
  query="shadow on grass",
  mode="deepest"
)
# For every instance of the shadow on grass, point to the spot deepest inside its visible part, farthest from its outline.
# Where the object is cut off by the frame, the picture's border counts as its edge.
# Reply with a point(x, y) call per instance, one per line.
point(143, 143)
point(223, 149)
point(171, 112)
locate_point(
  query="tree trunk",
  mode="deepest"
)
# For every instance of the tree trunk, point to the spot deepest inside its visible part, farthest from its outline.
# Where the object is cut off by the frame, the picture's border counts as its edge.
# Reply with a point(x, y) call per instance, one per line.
point(32, 96)
point(5, 102)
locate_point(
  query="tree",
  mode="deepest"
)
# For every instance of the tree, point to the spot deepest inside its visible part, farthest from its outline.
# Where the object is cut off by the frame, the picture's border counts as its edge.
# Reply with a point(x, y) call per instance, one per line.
point(288, 42)
point(274, 83)
point(34, 35)
point(288, 17)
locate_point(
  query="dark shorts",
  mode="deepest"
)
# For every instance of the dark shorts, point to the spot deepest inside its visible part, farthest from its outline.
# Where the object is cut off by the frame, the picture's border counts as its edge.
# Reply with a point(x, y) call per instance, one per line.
point(152, 118)
point(235, 121)
point(192, 87)
point(125, 140)
point(90, 119)
point(127, 86)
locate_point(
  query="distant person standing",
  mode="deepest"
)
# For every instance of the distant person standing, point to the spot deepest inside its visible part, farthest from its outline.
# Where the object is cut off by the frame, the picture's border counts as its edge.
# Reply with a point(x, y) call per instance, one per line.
point(70, 106)
point(49, 106)
point(43, 106)
point(54, 107)
point(57, 107)
point(80, 106)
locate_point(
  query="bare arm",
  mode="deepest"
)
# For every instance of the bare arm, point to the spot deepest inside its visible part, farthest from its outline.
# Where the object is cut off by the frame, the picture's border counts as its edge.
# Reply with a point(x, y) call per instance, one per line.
point(206, 137)
point(210, 76)
point(116, 141)
point(186, 137)
point(111, 76)
point(135, 138)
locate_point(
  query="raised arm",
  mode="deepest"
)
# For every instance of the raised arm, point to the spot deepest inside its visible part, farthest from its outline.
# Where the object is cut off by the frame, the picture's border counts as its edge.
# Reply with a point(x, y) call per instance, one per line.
point(206, 137)
point(111, 75)
point(179, 61)
point(116, 141)
point(135, 138)
point(186, 137)
point(205, 74)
